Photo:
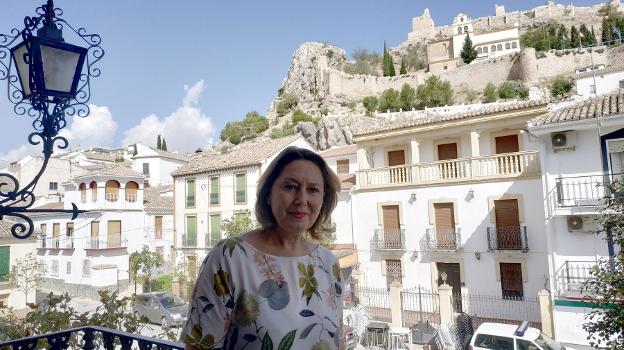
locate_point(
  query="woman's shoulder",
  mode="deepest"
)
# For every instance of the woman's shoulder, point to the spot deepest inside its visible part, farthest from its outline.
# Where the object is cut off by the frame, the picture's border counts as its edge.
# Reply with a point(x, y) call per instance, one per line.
point(324, 252)
point(227, 250)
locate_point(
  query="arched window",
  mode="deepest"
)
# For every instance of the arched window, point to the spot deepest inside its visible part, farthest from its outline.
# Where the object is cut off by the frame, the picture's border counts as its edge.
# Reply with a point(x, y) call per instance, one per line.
point(465, 29)
point(485, 49)
point(83, 192)
point(507, 46)
point(111, 191)
point(514, 45)
point(93, 187)
point(493, 48)
point(499, 47)
point(459, 30)
point(131, 191)
point(444, 47)
point(479, 50)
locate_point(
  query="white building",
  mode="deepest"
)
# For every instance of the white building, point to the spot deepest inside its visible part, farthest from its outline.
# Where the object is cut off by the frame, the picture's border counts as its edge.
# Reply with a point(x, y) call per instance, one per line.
point(454, 194)
point(582, 146)
point(211, 188)
point(157, 165)
point(12, 249)
point(599, 81)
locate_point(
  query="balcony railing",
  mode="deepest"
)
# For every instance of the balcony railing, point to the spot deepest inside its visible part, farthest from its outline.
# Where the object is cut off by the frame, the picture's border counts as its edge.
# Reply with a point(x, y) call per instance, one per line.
point(441, 240)
point(209, 241)
point(579, 191)
point(507, 238)
point(111, 197)
point(85, 338)
point(464, 169)
point(573, 274)
point(131, 197)
point(189, 241)
point(56, 243)
point(388, 239)
point(110, 242)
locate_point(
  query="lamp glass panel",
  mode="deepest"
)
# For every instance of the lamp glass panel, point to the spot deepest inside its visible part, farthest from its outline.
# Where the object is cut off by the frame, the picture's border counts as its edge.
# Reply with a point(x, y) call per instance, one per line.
point(22, 67)
point(59, 68)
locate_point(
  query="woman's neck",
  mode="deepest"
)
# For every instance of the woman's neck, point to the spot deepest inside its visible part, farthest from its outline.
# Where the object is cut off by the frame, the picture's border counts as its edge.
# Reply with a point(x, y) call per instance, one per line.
point(277, 242)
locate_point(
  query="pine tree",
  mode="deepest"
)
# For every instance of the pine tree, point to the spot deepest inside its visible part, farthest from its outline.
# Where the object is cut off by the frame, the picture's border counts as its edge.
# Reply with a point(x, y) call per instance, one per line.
point(158, 142)
point(574, 37)
point(164, 144)
point(403, 69)
point(468, 53)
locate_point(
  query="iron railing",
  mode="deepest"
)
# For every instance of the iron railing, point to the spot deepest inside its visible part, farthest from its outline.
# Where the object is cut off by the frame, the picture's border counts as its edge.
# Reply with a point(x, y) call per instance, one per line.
point(375, 300)
point(111, 197)
point(514, 164)
point(573, 275)
point(500, 309)
point(420, 308)
point(388, 239)
point(210, 241)
point(441, 239)
point(579, 191)
point(56, 242)
point(131, 197)
point(507, 238)
point(189, 241)
point(110, 242)
point(86, 338)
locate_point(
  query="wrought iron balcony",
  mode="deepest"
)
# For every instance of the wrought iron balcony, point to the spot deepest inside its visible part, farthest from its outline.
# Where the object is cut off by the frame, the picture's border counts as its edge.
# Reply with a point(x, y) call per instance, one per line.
point(573, 274)
point(517, 164)
point(441, 240)
point(583, 191)
point(56, 243)
point(110, 242)
point(111, 197)
point(131, 197)
point(390, 239)
point(85, 337)
point(189, 241)
point(507, 238)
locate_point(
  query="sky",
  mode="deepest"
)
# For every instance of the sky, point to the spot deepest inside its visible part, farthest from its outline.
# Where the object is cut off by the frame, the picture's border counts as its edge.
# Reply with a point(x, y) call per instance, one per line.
point(185, 68)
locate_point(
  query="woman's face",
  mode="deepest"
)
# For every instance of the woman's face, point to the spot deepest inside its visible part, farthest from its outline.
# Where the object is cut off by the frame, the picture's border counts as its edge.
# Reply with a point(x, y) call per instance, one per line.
point(297, 196)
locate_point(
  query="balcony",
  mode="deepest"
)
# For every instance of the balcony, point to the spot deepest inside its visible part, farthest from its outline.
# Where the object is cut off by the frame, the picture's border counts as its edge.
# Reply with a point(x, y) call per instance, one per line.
point(189, 241)
point(583, 191)
point(441, 240)
point(56, 243)
point(508, 165)
point(131, 197)
point(390, 239)
point(88, 340)
point(507, 238)
point(111, 242)
point(210, 242)
point(572, 275)
point(111, 197)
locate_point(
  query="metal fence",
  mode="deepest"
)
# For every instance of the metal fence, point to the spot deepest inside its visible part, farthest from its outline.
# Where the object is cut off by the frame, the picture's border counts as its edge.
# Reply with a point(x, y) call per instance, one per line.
point(420, 306)
point(489, 308)
point(376, 301)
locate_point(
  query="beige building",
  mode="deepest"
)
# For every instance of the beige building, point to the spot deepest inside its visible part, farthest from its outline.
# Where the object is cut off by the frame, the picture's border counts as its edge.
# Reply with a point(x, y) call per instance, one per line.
point(12, 249)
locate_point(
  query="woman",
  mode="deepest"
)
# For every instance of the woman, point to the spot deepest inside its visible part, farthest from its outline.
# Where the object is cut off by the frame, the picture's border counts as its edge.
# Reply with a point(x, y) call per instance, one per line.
point(271, 288)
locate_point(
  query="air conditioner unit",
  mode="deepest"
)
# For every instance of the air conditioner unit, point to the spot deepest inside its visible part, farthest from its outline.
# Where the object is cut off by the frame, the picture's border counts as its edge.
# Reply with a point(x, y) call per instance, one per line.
point(563, 140)
point(585, 223)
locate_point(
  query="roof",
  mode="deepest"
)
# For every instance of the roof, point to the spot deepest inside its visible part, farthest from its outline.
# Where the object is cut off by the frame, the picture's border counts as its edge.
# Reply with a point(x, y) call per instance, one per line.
point(7, 223)
point(506, 330)
point(339, 151)
point(154, 201)
point(242, 155)
point(347, 181)
point(167, 154)
point(112, 170)
point(99, 156)
point(603, 106)
point(590, 73)
point(434, 119)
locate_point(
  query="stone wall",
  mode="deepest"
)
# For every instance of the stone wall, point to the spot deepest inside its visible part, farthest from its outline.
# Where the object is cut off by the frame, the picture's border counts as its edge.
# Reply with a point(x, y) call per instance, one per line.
point(556, 63)
point(79, 290)
point(359, 86)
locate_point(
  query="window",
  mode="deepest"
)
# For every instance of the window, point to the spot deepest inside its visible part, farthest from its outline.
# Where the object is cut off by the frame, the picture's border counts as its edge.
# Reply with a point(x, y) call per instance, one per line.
point(111, 190)
point(479, 50)
point(55, 268)
point(215, 229)
point(5, 258)
point(190, 238)
point(465, 29)
point(158, 223)
point(487, 341)
point(393, 271)
point(511, 281)
point(522, 344)
point(214, 190)
point(53, 186)
point(44, 229)
point(241, 190)
point(514, 45)
point(83, 192)
point(592, 89)
point(499, 47)
point(160, 251)
point(145, 184)
point(342, 166)
point(114, 234)
point(70, 229)
point(190, 193)
point(493, 48)
point(507, 46)
point(459, 30)
point(621, 84)
point(93, 187)
point(95, 233)
point(56, 229)
point(68, 268)
point(146, 169)
point(86, 268)
point(485, 49)
point(132, 189)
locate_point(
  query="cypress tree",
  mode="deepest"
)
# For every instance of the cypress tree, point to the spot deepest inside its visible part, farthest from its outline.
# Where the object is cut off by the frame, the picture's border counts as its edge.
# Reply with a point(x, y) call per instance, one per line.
point(158, 142)
point(164, 144)
point(386, 66)
point(606, 34)
point(391, 71)
point(562, 38)
point(468, 52)
point(574, 37)
point(403, 69)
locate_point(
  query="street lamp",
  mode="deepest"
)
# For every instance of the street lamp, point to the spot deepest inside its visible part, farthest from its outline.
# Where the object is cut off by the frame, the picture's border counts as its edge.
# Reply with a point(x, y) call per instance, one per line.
point(48, 80)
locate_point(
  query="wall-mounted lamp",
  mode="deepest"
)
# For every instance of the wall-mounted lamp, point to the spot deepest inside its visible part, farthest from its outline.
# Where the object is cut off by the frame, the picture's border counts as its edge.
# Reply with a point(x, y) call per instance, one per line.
point(470, 195)
point(478, 255)
point(413, 197)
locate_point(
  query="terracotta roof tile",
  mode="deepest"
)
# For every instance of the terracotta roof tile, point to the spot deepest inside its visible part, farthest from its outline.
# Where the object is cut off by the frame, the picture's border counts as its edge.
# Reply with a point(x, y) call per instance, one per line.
point(612, 69)
point(113, 170)
point(339, 151)
point(154, 201)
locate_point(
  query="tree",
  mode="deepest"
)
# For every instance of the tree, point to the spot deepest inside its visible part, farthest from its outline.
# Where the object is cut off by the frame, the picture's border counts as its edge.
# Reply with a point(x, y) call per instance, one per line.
point(468, 52)
point(299, 116)
point(574, 37)
point(607, 32)
point(586, 36)
point(287, 102)
point(407, 97)
point(416, 57)
point(434, 93)
point(560, 86)
point(403, 69)
point(489, 93)
point(238, 224)
point(158, 142)
point(164, 144)
point(563, 40)
point(388, 65)
point(389, 100)
point(370, 104)
point(365, 62)
point(26, 274)
point(507, 90)
point(143, 265)
point(605, 287)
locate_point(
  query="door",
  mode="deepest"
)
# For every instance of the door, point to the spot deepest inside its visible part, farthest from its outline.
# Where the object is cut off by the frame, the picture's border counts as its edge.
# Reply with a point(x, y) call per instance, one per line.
point(507, 224)
point(448, 151)
point(509, 164)
point(391, 238)
point(445, 226)
point(114, 234)
point(511, 281)
point(95, 234)
point(453, 279)
point(158, 224)
point(399, 174)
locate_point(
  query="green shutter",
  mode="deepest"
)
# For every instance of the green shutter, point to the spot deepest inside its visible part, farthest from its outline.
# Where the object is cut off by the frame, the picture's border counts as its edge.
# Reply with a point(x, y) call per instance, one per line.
point(240, 188)
point(215, 228)
point(190, 193)
point(191, 230)
point(214, 190)
point(5, 258)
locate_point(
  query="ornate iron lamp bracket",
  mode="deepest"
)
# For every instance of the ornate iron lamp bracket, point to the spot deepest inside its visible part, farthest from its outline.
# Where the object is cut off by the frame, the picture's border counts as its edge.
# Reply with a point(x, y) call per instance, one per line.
point(49, 113)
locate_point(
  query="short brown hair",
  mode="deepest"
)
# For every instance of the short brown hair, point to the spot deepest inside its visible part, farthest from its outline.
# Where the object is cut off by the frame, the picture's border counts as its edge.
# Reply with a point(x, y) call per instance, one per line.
point(331, 186)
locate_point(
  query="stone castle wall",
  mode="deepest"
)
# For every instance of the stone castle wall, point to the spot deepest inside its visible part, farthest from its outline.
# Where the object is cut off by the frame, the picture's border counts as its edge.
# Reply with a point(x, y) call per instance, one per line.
point(358, 86)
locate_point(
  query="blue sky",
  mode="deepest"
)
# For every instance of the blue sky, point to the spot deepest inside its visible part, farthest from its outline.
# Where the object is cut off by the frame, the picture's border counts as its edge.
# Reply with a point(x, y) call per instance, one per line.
point(187, 67)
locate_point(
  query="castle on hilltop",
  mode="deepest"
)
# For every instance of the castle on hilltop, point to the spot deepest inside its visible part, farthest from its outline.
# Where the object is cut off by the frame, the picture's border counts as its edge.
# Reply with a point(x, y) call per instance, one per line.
point(493, 36)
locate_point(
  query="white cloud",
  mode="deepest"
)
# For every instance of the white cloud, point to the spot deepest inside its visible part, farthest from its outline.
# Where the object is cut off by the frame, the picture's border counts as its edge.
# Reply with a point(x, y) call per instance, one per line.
point(97, 129)
point(19, 153)
point(185, 130)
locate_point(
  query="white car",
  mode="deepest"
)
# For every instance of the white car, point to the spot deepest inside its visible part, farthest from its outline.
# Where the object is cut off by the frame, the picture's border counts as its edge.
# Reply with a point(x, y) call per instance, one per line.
point(498, 336)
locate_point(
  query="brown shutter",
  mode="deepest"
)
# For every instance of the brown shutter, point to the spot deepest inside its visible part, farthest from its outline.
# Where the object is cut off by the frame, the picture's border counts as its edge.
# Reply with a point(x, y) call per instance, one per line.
point(511, 280)
point(390, 217)
point(507, 144)
point(342, 166)
point(444, 225)
point(507, 224)
point(56, 230)
point(396, 158)
point(158, 220)
point(447, 151)
point(95, 229)
point(114, 233)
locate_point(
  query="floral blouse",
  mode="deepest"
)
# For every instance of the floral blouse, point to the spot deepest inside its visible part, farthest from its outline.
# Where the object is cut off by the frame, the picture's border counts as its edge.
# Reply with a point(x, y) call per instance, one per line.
point(244, 298)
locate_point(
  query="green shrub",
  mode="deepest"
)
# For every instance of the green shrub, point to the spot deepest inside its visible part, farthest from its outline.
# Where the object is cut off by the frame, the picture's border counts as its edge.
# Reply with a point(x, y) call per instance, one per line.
point(370, 104)
point(407, 97)
point(416, 57)
point(523, 92)
point(161, 284)
point(434, 93)
point(299, 116)
point(506, 90)
point(352, 105)
point(250, 127)
point(324, 110)
point(287, 102)
point(365, 63)
point(287, 130)
point(560, 86)
point(489, 93)
point(390, 100)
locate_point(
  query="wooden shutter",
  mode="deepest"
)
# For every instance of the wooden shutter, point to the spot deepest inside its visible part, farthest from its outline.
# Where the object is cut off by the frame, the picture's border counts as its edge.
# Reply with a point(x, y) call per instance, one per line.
point(447, 151)
point(396, 158)
point(507, 144)
point(342, 166)
point(191, 228)
point(44, 229)
point(390, 217)
point(507, 224)
point(511, 280)
point(444, 225)
point(190, 193)
point(158, 223)
point(114, 234)
point(95, 229)
point(214, 190)
point(56, 229)
point(241, 195)
point(215, 229)
point(5, 259)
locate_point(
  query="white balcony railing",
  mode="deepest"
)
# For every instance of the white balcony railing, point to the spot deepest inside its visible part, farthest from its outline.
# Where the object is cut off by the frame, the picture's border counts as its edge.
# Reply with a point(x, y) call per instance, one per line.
point(110, 242)
point(464, 169)
point(131, 197)
point(111, 197)
point(56, 243)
